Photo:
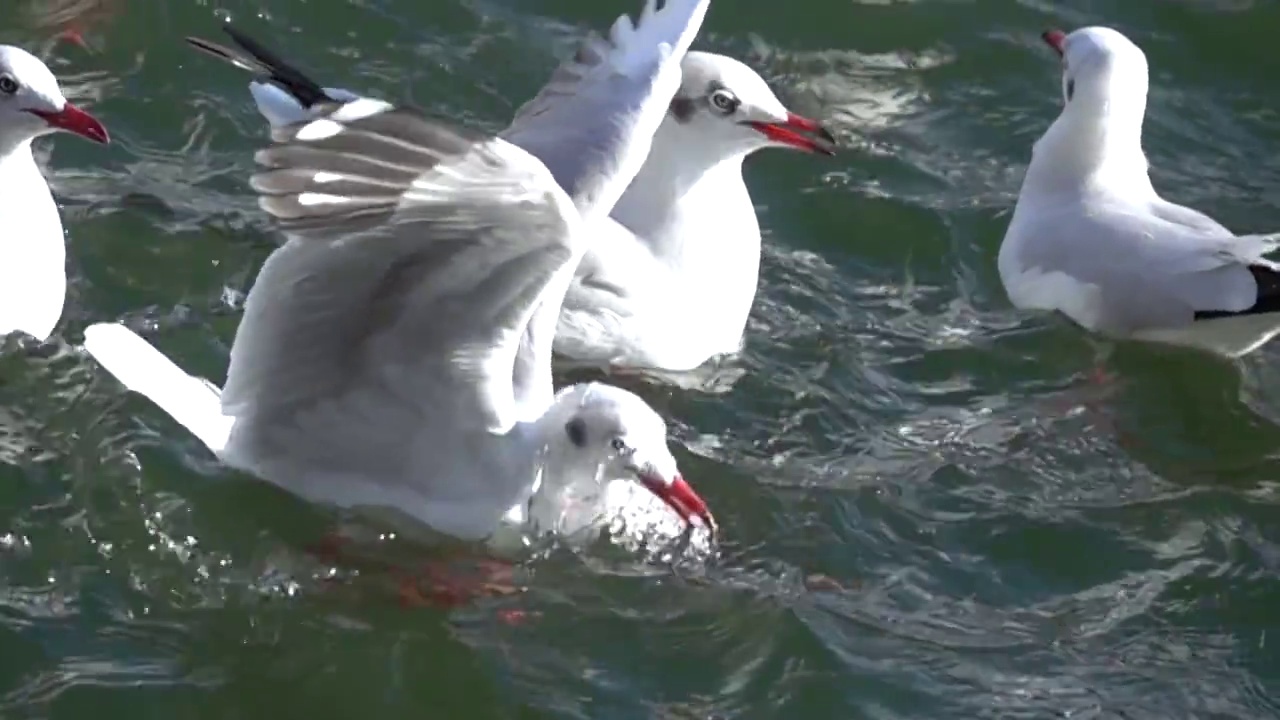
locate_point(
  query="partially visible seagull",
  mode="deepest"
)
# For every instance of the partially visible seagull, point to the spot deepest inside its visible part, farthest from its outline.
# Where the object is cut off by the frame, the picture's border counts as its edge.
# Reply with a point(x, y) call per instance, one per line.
point(1091, 238)
point(671, 281)
point(395, 353)
point(33, 253)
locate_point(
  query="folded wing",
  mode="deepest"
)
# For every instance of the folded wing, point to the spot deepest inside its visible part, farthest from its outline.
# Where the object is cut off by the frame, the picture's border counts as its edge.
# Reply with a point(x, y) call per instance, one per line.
point(1149, 272)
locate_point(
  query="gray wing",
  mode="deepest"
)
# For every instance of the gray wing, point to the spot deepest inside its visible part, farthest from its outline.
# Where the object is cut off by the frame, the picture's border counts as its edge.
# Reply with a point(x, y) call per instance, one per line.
point(418, 256)
point(1183, 215)
point(593, 123)
point(1149, 272)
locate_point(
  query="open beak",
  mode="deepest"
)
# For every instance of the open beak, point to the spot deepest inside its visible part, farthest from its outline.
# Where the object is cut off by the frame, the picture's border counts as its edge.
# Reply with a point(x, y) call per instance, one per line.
point(800, 133)
point(1055, 39)
point(74, 120)
point(680, 497)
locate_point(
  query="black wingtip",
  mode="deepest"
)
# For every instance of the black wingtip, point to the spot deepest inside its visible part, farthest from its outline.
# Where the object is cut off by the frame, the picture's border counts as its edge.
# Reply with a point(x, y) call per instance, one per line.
point(226, 54)
point(1268, 295)
point(264, 62)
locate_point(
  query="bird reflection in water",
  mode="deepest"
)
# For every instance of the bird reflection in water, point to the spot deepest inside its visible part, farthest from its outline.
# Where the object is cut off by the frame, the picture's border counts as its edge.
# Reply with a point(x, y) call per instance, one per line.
point(69, 20)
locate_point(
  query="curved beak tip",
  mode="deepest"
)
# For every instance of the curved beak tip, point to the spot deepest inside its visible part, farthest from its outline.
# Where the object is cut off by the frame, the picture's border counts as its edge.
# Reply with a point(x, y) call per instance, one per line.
point(709, 521)
point(1055, 39)
point(74, 120)
point(681, 497)
point(799, 132)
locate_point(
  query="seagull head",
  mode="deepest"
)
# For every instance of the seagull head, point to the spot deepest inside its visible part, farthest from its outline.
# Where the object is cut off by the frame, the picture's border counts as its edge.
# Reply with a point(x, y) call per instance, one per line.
point(611, 433)
point(31, 104)
point(1104, 95)
point(1104, 76)
point(734, 112)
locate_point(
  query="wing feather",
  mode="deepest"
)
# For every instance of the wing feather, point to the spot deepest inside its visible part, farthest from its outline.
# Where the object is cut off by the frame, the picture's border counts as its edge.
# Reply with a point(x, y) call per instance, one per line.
point(417, 255)
point(593, 123)
point(1149, 271)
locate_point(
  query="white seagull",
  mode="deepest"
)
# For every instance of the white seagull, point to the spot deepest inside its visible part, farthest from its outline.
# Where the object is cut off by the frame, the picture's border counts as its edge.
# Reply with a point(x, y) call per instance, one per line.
point(395, 352)
point(670, 282)
point(1091, 238)
point(32, 250)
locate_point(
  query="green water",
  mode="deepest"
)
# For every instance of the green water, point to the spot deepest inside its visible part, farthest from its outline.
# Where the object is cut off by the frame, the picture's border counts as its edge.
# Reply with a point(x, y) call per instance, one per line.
point(1008, 543)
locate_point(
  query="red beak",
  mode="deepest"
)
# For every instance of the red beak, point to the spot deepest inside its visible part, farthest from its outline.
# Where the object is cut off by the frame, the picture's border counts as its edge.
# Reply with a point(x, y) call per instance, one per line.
point(792, 133)
point(1055, 39)
point(681, 498)
point(74, 120)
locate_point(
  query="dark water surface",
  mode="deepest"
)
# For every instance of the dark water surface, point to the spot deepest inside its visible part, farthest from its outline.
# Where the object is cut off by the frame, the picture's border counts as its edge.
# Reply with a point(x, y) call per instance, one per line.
point(1007, 543)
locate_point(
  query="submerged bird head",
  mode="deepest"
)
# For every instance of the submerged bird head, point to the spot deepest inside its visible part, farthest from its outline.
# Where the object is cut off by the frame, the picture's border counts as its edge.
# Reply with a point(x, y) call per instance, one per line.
point(734, 112)
point(1104, 93)
point(609, 433)
point(31, 104)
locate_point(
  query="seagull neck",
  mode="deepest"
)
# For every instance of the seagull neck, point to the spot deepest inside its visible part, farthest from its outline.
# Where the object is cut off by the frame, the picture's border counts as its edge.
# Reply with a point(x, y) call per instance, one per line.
point(22, 184)
point(15, 153)
point(686, 189)
point(546, 436)
point(1080, 155)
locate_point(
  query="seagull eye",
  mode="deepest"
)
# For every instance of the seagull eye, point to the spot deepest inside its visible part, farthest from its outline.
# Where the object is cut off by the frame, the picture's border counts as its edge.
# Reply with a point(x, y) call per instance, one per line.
point(576, 429)
point(8, 85)
point(725, 101)
point(619, 445)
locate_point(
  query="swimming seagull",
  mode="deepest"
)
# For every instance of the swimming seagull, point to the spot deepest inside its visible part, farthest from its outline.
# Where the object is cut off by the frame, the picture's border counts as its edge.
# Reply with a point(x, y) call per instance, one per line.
point(32, 250)
point(671, 280)
point(1091, 238)
point(395, 352)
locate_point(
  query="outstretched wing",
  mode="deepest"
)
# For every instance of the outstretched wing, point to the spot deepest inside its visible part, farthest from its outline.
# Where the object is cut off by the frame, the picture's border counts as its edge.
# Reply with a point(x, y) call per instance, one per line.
point(417, 256)
point(283, 93)
point(593, 123)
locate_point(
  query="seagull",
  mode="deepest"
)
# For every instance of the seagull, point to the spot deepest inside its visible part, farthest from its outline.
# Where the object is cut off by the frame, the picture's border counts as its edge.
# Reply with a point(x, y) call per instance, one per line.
point(1092, 239)
point(395, 351)
point(670, 282)
point(32, 250)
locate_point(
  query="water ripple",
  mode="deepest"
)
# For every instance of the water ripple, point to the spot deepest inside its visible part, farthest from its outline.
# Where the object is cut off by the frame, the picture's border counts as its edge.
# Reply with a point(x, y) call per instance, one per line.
point(927, 510)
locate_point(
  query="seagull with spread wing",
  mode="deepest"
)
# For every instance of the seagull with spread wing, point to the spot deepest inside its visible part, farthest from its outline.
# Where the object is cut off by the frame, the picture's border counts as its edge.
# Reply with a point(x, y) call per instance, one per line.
point(672, 277)
point(395, 352)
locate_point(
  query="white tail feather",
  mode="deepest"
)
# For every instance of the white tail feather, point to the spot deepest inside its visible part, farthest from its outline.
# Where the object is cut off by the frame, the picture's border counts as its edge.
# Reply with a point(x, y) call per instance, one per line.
point(194, 402)
point(1252, 248)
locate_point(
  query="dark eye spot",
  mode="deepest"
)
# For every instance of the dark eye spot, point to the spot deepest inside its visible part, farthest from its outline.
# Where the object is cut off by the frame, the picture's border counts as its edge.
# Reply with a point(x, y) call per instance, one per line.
point(8, 85)
point(725, 101)
point(1071, 89)
point(619, 444)
point(576, 429)
point(682, 109)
